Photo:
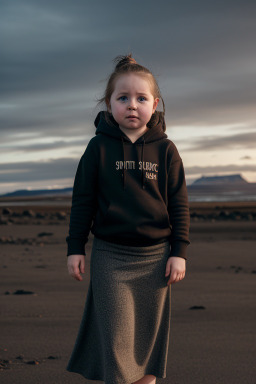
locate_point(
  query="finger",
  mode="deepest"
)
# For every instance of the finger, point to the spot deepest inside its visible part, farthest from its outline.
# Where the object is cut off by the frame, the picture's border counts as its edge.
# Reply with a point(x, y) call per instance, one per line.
point(172, 278)
point(179, 277)
point(76, 274)
point(78, 277)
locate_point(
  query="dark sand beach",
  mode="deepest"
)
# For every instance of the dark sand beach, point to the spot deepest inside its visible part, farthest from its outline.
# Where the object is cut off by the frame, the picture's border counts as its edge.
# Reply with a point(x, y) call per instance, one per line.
point(212, 337)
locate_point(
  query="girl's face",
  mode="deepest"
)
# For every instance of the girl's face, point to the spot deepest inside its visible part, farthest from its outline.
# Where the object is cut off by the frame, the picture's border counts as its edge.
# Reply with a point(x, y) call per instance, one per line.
point(132, 102)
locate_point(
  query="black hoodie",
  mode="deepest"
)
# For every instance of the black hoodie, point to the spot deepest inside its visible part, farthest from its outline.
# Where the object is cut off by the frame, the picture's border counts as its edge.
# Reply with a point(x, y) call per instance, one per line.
point(130, 193)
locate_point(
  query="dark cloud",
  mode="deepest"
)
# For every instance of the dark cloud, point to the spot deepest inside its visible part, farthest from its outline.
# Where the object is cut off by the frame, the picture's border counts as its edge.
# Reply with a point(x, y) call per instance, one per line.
point(202, 54)
point(36, 171)
point(66, 167)
point(245, 140)
point(56, 56)
point(58, 144)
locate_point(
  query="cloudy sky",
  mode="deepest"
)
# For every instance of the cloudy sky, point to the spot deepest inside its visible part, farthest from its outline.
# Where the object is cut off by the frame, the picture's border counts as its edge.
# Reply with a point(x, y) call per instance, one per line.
point(57, 55)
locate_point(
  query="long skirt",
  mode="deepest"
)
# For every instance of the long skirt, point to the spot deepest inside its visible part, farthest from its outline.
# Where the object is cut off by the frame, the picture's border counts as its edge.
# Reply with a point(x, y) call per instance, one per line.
point(125, 327)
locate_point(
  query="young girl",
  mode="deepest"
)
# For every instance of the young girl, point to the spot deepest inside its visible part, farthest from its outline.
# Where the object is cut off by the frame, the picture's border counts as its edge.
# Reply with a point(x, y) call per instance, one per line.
point(130, 192)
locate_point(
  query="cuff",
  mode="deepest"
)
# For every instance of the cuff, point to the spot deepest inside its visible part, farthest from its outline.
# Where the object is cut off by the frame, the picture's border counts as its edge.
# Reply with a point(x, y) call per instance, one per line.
point(75, 247)
point(179, 249)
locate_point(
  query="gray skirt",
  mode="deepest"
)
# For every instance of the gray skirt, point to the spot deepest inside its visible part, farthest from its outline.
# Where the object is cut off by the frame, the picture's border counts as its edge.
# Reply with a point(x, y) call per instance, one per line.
point(125, 327)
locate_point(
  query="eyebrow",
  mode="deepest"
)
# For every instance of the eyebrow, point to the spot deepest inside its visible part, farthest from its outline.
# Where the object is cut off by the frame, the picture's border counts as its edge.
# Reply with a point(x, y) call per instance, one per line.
point(138, 93)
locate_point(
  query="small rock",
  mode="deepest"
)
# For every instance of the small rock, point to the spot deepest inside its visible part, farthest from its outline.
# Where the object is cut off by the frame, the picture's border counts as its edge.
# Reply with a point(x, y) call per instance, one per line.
point(40, 216)
point(32, 362)
point(6, 211)
point(7, 240)
point(23, 292)
point(42, 234)
point(20, 357)
point(4, 364)
point(28, 213)
point(61, 215)
point(224, 215)
point(16, 214)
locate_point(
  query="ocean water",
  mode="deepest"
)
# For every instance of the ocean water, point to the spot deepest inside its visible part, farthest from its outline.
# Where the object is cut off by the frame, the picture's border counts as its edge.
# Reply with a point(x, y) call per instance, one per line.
point(195, 194)
point(191, 198)
point(221, 198)
point(222, 193)
point(30, 203)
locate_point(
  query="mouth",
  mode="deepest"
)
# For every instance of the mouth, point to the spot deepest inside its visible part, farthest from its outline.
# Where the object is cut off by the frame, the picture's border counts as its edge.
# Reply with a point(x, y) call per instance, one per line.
point(132, 117)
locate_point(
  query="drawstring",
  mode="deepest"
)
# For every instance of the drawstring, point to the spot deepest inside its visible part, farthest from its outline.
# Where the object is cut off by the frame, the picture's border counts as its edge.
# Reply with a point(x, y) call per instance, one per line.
point(142, 170)
point(123, 170)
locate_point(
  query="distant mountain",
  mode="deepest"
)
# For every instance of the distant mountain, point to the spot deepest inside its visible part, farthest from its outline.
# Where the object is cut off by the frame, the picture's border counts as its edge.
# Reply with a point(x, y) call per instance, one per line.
point(220, 180)
point(222, 188)
point(207, 188)
point(38, 192)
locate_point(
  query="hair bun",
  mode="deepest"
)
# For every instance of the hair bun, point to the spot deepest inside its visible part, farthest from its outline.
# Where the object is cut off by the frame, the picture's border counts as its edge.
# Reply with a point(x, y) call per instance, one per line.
point(124, 60)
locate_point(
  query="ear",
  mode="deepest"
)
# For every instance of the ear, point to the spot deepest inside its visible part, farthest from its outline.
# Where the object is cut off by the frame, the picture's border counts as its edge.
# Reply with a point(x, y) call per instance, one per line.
point(156, 101)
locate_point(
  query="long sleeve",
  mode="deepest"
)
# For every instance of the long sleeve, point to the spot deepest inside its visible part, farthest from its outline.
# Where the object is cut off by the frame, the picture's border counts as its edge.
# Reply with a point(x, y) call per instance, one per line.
point(84, 201)
point(178, 208)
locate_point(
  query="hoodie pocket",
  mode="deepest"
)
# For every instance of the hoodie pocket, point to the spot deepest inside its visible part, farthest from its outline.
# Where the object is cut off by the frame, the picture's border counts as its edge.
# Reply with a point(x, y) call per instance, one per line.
point(113, 215)
point(163, 212)
point(121, 217)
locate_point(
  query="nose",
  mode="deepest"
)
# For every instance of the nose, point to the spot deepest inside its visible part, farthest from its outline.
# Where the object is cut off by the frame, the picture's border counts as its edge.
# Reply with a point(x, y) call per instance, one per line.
point(132, 105)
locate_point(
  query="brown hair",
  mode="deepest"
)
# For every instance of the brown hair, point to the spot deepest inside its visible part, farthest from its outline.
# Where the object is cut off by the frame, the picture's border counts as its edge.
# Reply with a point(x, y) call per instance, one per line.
point(126, 64)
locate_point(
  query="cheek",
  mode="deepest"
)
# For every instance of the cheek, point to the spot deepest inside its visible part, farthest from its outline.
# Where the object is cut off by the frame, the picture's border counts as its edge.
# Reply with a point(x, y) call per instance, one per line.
point(118, 109)
point(147, 112)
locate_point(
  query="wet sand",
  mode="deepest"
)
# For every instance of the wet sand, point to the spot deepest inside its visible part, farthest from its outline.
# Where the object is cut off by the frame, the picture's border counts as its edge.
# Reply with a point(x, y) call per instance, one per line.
point(213, 343)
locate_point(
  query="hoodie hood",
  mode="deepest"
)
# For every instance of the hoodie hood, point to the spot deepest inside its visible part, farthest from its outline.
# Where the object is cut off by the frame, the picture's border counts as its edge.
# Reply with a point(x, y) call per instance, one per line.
point(106, 124)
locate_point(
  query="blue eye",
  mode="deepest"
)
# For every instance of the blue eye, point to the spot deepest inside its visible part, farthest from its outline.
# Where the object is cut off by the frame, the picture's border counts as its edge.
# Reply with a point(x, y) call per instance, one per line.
point(142, 97)
point(122, 98)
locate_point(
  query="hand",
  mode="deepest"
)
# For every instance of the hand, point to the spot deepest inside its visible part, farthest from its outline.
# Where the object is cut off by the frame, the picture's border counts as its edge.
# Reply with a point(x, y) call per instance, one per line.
point(176, 267)
point(76, 265)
